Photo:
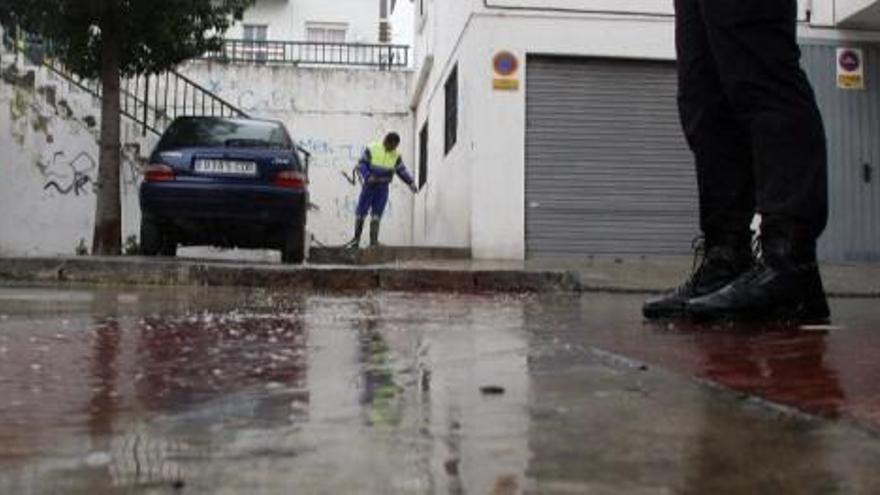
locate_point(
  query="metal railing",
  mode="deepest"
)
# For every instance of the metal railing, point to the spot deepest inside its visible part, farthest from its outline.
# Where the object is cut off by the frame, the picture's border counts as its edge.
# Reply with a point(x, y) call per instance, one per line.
point(152, 101)
point(155, 100)
point(381, 56)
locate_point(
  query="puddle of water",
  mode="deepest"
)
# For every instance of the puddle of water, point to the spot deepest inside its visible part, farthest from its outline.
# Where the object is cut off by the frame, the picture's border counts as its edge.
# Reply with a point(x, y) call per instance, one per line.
point(238, 391)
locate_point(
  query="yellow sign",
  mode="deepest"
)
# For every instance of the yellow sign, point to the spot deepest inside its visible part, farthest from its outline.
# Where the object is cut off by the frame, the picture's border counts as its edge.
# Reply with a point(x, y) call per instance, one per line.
point(505, 84)
point(850, 81)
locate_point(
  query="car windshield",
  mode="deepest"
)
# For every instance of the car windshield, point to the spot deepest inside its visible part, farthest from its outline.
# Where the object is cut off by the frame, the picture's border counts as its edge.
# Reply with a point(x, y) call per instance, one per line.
point(213, 133)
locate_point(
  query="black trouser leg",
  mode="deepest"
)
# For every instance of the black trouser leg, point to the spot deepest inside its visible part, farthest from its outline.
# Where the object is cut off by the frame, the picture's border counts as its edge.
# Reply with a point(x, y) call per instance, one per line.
point(358, 230)
point(754, 45)
point(374, 231)
point(719, 140)
point(757, 60)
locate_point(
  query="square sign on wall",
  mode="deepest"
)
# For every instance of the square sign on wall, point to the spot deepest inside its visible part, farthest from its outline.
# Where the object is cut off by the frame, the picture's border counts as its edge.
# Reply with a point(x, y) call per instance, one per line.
point(850, 68)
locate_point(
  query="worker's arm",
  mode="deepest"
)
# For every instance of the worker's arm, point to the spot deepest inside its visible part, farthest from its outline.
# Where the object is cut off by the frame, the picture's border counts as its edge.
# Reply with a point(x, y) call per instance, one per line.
point(404, 175)
point(363, 166)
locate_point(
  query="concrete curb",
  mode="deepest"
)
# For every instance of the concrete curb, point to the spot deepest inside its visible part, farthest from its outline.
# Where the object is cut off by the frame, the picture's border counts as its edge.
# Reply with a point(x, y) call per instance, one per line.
point(843, 282)
point(158, 272)
point(384, 255)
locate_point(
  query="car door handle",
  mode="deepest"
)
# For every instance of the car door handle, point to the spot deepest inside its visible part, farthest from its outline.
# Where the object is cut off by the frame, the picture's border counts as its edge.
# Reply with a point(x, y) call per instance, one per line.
point(867, 173)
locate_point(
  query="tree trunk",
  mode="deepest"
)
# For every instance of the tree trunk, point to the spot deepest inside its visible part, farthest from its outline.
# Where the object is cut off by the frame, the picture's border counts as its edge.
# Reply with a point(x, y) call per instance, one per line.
point(107, 238)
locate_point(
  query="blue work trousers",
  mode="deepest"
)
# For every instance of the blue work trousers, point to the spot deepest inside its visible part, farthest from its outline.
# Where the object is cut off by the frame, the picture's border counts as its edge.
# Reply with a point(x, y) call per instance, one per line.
point(373, 200)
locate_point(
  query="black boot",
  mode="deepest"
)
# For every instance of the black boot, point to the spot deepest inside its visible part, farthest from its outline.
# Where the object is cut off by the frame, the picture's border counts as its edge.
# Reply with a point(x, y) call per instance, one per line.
point(374, 232)
point(784, 285)
point(721, 263)
point(358, 230)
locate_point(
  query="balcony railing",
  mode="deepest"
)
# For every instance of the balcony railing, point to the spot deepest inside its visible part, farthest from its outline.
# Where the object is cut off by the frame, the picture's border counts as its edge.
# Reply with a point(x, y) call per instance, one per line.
point(381, 56)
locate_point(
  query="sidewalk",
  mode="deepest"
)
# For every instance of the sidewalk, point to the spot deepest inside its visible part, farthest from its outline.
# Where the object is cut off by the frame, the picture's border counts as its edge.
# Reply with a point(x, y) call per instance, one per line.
point(851, 280)
point(638, 276)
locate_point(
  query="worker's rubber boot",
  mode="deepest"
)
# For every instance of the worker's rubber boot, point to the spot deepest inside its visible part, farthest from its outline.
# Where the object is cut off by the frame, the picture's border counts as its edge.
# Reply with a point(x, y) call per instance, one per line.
point(358, 231)
point(374, 232)
point(721, 263)
point(784, 284)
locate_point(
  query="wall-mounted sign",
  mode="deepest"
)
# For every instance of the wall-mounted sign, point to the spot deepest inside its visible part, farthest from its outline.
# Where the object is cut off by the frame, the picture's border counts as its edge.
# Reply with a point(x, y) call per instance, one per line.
point(505, 64)
point(501, 84)
point(850, 68)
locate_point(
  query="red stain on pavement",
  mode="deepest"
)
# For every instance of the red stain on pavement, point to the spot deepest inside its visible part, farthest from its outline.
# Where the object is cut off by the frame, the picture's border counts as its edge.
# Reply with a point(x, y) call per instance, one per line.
point(831, 373)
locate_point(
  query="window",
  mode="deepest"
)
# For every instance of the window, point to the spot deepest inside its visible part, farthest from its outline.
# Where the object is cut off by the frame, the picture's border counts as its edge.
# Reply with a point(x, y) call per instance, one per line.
point(423, 156)
point(451, 110)
point(256, 32)
point(255, 36)
point(326, 32)
point(210, 132)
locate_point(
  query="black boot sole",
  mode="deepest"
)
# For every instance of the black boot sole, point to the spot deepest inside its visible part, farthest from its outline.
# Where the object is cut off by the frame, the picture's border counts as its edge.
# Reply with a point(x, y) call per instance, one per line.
point(664, 313)
point(800, 313)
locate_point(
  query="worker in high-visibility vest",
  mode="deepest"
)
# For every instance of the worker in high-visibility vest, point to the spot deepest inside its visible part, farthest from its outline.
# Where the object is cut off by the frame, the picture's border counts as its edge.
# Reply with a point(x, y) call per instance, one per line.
point(377, 168)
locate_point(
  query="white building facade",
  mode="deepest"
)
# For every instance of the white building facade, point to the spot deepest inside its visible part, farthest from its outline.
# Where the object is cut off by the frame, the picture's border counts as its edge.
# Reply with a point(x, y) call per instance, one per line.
point(548, 128)
point(336, 21)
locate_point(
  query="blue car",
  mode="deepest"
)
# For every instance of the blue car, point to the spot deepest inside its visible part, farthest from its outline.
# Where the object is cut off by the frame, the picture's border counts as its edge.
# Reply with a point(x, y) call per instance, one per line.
point(225, 182)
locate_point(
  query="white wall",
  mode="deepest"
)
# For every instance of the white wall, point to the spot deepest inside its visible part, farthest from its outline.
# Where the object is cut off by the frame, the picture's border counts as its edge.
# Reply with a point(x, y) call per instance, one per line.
point(846, 8)
point(402, 25)
point(49, 154)
point(38, 218)
point(279, 15)
point(858, 13)
point(649, 7)
point(287, 18)
point(442, 214)
point(634, 6)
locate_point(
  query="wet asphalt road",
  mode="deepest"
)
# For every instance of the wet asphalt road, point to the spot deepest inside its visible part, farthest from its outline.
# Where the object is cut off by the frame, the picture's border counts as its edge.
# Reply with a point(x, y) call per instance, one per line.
point(256, 392)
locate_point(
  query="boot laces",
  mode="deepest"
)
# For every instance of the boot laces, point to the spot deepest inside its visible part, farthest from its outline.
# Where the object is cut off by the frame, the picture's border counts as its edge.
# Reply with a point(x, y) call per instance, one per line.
point(698, 264)
point(759, 264)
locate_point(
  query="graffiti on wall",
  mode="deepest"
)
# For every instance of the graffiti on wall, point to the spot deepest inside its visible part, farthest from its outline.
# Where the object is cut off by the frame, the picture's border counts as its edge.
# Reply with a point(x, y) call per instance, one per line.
point(78, 175)
point(70, 176)
point(342, 157)
point(132, 165)
point(251, 101)
point(35, 110)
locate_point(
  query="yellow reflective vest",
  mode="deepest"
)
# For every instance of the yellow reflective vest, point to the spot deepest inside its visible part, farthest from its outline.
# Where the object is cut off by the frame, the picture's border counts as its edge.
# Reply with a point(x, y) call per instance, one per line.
point(382, 158)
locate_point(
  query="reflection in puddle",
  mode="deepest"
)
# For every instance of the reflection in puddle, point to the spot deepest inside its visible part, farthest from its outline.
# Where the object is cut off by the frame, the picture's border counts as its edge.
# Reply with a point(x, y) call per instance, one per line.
point(227, 391)
point(347, 393)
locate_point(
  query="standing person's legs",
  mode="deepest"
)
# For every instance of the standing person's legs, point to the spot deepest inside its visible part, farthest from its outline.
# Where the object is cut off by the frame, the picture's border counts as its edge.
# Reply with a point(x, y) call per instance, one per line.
point(755, 45)
point(722, 152)
point(380, 201)
point(365, 201)
point(721, 144)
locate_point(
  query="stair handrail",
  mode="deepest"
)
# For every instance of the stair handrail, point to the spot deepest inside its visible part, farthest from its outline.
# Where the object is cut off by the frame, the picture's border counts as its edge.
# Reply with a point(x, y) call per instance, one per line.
point(135, 105)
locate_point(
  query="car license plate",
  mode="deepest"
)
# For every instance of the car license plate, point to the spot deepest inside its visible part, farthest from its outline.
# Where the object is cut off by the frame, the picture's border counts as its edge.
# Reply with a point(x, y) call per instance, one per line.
point(225, 167)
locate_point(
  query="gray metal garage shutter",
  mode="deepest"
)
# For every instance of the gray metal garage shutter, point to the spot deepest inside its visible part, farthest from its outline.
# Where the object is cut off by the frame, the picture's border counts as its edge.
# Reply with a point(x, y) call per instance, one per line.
point(607, 169)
